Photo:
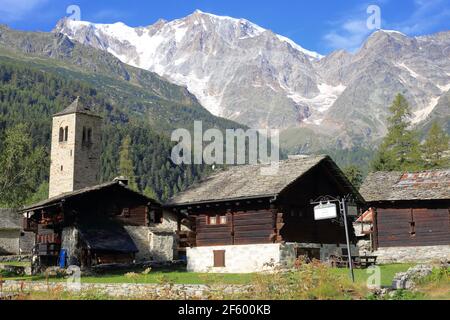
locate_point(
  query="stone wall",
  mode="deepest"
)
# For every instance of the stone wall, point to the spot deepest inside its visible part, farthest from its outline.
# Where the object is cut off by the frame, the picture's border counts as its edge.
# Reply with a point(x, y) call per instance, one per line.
point(238, 259)
point(9, 242)
point(141, 238)
point(169, 222)
point(70, 243)
point(130, 290)
point(26, 242)
point(20, 258)
point(162, 244)
point(413, 254)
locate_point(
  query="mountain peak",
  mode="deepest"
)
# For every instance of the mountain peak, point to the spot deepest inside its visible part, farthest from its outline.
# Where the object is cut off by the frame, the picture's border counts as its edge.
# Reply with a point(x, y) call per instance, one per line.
point(389, 33)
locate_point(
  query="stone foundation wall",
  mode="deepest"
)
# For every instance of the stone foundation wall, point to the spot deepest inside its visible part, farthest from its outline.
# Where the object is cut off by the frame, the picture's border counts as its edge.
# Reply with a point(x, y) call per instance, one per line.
point(129, 290)
point(141, 238)
point(15, 258)
point(413, 254)
point(238, 259)
point(256, 258)
point(26, 242)
point(162, 245)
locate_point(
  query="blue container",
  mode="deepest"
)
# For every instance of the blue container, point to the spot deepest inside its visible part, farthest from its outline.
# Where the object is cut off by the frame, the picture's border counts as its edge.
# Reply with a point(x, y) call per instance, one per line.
point(62, 258)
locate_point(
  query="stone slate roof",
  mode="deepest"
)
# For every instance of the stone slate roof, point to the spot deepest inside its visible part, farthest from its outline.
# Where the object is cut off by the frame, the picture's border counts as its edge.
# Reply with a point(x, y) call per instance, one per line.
point(9, 220)
point(398, 186)
point(76, 107)
point(81, 192)
point(245, 182)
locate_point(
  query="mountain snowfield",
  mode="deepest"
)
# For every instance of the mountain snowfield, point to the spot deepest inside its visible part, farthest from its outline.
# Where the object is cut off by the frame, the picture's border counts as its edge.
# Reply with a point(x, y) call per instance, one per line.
point(243, 72)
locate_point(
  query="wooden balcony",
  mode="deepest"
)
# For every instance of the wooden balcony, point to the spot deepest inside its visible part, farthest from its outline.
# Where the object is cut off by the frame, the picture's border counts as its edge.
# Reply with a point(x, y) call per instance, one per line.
point(186, 239)
point(29, 225)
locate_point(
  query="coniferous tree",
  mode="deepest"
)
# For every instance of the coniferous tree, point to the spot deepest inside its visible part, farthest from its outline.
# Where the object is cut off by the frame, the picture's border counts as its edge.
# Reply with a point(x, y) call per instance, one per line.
point(151, 193)
point(435, 148)
point(400, 149)
point(126, 167)
point(354, 175)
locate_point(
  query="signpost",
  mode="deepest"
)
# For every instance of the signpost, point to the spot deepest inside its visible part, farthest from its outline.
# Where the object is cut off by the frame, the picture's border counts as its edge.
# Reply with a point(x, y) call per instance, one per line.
point(325, 211)
point(326, 208)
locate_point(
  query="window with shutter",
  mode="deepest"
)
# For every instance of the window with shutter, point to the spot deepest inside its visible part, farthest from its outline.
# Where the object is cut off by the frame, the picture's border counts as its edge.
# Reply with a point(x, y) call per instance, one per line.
point(219, 258)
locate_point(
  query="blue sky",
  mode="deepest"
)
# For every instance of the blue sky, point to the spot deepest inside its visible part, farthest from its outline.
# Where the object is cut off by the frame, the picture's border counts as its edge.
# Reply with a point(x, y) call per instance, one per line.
point(319, 25)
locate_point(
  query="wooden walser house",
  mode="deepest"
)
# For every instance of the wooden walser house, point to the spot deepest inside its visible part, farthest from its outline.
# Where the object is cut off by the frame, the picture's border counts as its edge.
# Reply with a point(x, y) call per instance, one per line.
point(410, 215)
point(94, 226)
point(245, 221)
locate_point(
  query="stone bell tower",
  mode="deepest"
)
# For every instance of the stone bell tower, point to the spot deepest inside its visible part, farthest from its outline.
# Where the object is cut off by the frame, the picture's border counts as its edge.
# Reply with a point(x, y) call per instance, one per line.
point(75, 150)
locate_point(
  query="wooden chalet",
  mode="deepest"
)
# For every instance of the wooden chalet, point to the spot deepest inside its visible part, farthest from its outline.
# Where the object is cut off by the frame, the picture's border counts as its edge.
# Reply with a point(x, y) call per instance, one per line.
point(93, 225)
point(243, 220)
point(410, 210)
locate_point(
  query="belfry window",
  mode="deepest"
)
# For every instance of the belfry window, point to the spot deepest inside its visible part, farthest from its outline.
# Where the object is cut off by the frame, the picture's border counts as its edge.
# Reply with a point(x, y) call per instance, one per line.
point(61, 134)
point(84, 134)
point(89, 135)
point(66, 134)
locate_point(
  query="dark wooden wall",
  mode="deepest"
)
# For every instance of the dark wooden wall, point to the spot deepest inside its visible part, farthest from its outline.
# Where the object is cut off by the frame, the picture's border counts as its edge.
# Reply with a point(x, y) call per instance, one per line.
point(298, 213)
point(137, 216)
point(243, 227)
point(412, 227)
point(253, 227)
point(217, 235)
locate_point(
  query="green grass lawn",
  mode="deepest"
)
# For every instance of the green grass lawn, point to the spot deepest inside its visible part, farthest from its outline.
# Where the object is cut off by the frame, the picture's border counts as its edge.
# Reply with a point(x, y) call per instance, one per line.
point(182, 277)
point(388, 272)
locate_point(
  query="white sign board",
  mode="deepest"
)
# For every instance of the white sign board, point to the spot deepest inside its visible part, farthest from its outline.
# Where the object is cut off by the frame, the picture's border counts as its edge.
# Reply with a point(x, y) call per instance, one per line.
point(325, 211)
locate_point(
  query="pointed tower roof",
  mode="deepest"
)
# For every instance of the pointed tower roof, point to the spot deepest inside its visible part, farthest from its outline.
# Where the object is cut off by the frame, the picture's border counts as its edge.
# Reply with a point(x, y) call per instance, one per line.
point(76, 107)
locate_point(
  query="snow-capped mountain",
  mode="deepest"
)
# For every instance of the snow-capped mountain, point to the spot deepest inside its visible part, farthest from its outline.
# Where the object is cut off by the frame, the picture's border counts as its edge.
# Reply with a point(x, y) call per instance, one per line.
point(235, 68)
point(243, 72)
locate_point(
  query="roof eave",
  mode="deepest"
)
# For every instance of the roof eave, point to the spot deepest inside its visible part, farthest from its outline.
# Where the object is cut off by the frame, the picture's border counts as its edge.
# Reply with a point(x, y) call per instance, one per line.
point(219, 201)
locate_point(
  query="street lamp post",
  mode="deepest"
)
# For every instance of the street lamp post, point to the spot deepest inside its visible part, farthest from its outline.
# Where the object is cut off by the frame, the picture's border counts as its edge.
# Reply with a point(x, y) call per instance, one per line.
point(324, 202)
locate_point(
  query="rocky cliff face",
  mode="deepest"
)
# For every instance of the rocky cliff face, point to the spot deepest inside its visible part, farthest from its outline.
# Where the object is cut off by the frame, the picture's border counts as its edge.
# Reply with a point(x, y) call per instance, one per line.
point(245, 73)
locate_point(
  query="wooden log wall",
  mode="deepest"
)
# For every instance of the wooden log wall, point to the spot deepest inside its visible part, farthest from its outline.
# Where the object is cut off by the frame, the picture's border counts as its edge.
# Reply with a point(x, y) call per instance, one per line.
point(212, 235)
point(137, 216)
point(243, 227)
point(253, 227)
point(412, 227)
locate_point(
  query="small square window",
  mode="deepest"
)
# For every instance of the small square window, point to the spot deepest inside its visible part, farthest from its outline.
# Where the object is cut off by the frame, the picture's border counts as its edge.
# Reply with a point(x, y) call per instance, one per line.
point(213, 220)
point(223, 220)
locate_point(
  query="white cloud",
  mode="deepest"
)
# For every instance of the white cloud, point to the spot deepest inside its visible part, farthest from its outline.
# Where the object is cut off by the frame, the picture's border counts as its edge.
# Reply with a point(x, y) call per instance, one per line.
point(427, 15)
point(14, 10)
point(350, 35)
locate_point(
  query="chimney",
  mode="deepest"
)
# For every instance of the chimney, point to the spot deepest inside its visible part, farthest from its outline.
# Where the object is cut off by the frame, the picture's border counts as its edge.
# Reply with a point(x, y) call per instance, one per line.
point(121, 180)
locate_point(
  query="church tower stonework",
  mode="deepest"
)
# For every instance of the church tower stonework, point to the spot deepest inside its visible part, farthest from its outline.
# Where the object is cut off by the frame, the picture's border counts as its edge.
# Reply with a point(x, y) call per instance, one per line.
point(75, 149)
